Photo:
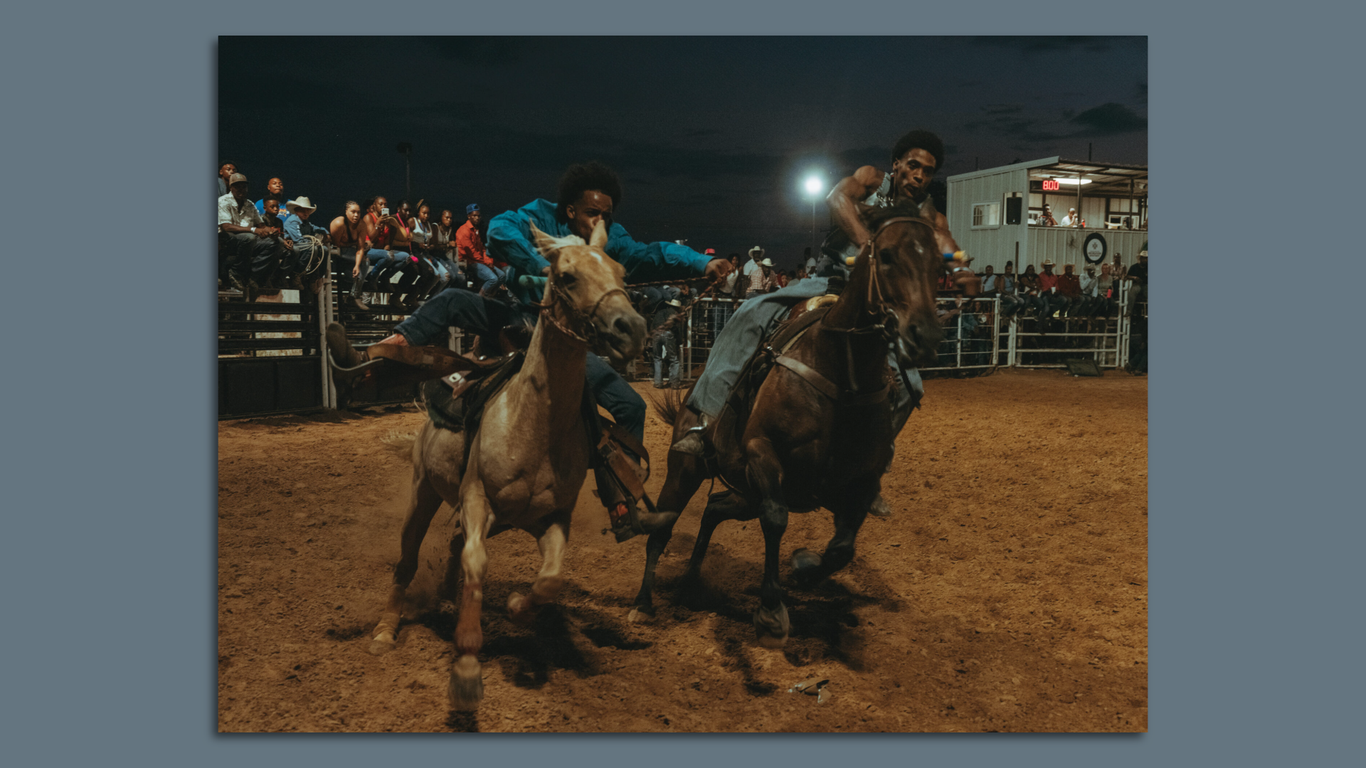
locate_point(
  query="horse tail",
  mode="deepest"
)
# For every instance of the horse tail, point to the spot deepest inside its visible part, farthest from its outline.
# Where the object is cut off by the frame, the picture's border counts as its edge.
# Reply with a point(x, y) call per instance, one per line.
point(667, 405)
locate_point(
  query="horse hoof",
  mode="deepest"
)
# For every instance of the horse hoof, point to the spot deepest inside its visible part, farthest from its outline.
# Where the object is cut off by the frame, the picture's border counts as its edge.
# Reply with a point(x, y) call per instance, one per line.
point(467, 684)
point(519, 610)
point(641, 615)
point(804, 560)
point(772, 626)
point(381, 646)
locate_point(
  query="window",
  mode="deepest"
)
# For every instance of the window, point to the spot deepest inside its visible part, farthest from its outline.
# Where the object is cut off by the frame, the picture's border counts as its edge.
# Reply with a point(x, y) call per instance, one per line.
point(986, 215)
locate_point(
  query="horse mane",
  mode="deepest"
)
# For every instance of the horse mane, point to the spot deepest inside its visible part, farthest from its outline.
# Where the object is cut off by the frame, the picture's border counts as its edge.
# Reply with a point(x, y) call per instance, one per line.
point(873, 217)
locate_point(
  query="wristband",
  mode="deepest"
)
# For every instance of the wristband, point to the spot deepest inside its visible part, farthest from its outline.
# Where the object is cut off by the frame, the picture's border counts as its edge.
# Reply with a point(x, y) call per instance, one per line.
point(253, 230)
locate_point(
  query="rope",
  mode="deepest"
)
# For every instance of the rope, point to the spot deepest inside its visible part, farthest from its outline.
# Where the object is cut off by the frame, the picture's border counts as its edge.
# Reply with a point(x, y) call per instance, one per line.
point(316, 252)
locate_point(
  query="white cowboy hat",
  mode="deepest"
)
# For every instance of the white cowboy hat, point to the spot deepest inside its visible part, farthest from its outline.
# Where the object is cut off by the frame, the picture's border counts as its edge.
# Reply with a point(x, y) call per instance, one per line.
point(756, 249)
point(674, 303)
point(1048, 263)
point(766, 263)
point(301, 202)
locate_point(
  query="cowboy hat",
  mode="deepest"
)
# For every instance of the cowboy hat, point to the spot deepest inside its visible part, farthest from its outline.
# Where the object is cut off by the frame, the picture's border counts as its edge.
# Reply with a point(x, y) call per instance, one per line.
point(674, 303)
point(752, 251)
point(1048, 263)
point(301, 202)
point(766, 263)
point(237, 178)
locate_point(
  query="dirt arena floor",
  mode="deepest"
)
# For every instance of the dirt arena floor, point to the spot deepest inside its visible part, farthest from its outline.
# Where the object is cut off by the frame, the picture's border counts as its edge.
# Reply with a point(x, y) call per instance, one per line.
point(1008, 592)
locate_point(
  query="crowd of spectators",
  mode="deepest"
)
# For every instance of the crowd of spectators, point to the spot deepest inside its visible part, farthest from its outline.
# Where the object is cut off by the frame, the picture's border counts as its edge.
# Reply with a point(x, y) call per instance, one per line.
point(403, 255)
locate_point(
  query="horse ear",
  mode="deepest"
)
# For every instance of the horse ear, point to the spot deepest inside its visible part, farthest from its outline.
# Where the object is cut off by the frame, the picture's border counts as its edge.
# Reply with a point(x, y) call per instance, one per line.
point(545, 244)
point(599, 237)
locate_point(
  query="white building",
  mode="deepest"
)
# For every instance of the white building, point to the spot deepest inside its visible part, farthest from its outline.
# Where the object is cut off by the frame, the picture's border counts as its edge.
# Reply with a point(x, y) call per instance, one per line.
point(994, 214)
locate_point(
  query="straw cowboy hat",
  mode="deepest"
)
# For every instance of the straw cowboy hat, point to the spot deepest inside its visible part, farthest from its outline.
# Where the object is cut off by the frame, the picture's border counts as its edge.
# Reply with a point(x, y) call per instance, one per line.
point(752, 251)
point(1047, 263)
point(301, 202)
point(766, 263)
point(674, 303)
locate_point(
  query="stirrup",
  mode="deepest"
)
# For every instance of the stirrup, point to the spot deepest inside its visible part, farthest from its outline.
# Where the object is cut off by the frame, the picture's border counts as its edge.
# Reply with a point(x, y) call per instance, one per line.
point(694, 441)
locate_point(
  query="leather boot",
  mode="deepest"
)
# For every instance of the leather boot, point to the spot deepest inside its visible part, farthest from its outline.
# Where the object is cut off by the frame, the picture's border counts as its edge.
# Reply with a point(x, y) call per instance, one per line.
point(694, 442)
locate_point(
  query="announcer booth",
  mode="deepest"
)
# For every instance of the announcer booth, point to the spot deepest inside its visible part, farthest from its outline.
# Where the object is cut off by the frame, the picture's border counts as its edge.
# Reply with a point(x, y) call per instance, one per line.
point(996, 214)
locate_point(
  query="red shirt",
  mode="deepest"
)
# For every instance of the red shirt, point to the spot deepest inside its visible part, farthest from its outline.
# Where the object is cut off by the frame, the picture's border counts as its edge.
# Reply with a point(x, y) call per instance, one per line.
point(470, 245)
point(1047, 282)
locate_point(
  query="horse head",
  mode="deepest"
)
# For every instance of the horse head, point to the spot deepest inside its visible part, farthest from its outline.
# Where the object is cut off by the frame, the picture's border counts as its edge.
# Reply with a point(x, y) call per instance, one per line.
point(900, 277)
point(589, 285)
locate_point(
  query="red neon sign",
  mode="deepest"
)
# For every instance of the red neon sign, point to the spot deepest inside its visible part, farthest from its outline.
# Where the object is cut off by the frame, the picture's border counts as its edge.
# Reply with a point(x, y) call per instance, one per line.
point(1050, 185)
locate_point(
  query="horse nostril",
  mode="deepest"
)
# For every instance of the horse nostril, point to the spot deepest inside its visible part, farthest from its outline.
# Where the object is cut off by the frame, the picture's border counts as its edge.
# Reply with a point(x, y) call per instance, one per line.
point(622, 326)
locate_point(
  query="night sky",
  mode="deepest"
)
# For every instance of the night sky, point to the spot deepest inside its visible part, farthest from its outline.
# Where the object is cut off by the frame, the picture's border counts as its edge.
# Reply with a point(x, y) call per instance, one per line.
point(712, 136)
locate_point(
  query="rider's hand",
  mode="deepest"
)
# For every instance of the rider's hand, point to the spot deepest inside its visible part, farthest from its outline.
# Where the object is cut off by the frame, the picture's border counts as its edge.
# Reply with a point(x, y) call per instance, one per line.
point(355, 271)
point(718, 268)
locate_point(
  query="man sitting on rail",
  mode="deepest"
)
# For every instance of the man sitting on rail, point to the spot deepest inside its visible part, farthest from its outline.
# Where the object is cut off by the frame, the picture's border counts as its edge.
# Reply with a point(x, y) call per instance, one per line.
point(308, 243)
point(588, 194)
point(246, 242)
point(915, 159)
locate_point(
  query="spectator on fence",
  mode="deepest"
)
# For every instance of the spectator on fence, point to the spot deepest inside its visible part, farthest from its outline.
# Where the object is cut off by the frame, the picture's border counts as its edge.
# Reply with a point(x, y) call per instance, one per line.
point(780, 275)
point(755, 255)
point(486, 274)
point(377, 228)
point(225, 171)
point(307, 245)
point(247, 247)
point(664, 341)
point(1073, 219)
point(990, 288)
point(762, 280)
point(808, 262)
point(424, 247)
point(1069, 289)
point(1007, 287)
point(1091, 302)
point(1117, 272)
point(1138, 276)
point(269, 209)
point(1030, 291)
point(416, 272)
point(274, 188)
point(443, 246)
point(1138, 324)
point(1046, 218)
point(346, 235)
point(1049, 301)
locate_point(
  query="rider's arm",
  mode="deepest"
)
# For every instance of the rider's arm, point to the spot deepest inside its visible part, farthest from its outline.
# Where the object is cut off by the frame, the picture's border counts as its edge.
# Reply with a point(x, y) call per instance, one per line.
point(845, 197)
point(653, 261)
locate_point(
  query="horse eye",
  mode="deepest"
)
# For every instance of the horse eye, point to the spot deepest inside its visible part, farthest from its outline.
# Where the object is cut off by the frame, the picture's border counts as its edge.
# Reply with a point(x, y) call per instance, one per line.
point(567, 278)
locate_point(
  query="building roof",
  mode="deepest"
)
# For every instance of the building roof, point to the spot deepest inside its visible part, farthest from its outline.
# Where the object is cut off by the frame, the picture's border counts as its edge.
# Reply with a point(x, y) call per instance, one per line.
point(1104, 178)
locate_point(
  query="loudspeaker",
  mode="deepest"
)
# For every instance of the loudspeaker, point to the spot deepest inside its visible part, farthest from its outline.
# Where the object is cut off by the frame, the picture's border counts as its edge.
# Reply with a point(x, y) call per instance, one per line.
point(1014, 208)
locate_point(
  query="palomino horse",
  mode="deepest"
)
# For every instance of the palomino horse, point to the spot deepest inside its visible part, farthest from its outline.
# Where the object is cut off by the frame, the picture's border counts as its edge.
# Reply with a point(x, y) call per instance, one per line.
point(819, 433)
point(529, 458)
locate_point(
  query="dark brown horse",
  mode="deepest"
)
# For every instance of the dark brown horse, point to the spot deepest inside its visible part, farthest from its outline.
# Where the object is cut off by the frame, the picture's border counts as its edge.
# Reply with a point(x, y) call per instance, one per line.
point(819, 432)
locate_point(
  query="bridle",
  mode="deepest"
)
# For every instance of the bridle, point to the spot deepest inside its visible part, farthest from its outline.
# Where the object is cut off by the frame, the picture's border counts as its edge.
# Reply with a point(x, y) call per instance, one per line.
point(885, 320)
point(577, 317)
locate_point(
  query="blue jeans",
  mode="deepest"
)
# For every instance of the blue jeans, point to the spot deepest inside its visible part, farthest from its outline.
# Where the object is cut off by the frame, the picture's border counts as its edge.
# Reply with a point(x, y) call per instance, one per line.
point(487, 278)
point(746, 330)
point(666, 346)
point(483, 317)
point(380, 259)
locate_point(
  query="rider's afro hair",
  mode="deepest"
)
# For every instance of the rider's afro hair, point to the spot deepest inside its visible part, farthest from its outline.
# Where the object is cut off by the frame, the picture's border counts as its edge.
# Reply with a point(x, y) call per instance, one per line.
point(584, 177)
point(920, 140)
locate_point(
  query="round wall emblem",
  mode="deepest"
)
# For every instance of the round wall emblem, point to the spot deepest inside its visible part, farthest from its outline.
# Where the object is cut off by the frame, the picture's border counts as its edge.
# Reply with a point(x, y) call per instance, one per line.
point(1094, 248)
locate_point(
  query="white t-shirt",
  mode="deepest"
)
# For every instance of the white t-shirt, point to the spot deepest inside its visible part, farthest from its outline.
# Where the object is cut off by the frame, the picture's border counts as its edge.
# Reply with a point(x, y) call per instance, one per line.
point(750, 267)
